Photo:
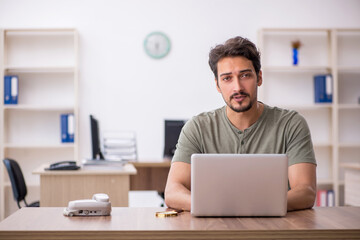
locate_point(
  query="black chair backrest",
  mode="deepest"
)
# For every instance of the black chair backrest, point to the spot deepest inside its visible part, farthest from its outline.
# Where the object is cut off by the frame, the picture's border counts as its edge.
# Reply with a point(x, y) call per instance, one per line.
point(16, 178)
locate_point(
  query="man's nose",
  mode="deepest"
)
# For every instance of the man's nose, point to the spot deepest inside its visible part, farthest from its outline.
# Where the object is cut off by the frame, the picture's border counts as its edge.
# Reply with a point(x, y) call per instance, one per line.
point(237, 84)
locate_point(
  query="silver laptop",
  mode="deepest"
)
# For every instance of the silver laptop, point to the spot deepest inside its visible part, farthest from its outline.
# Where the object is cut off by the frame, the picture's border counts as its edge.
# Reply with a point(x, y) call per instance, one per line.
point(239, 184)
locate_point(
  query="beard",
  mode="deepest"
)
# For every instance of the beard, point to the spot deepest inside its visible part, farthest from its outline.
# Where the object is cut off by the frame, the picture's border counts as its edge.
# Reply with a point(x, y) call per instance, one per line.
point(241, 107)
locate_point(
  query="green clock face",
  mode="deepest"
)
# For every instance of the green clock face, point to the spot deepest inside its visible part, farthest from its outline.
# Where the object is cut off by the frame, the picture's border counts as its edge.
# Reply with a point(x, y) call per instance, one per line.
point(157, 45)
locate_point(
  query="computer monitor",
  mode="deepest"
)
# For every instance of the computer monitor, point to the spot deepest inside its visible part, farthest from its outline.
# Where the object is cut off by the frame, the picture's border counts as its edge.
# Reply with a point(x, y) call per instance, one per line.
point(172, 132)
point(95, 139)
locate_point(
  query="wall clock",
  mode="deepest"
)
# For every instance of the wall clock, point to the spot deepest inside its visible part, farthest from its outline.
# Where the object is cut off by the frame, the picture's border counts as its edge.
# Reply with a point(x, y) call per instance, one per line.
point(157, 45)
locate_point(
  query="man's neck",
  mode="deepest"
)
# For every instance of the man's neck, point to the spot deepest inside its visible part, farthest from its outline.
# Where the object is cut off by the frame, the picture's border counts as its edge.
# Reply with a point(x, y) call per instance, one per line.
point(244, 120)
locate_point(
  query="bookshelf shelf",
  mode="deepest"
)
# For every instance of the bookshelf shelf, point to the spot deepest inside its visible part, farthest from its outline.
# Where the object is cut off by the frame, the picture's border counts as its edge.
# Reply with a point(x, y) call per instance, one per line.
point(24, 107)
point(40, 69)
point(308, 107)
point(7, 184)
point(349, 69)
point(296, 69)
point(324, 182)
point(349, 106)
point(334, 126)
point(38, 146)
point(40, 31)
point(46, 63)
point(349, 145)
point(322, 144)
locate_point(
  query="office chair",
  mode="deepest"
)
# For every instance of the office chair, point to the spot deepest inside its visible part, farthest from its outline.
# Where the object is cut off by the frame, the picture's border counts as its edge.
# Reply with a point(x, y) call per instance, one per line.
point(18, 182)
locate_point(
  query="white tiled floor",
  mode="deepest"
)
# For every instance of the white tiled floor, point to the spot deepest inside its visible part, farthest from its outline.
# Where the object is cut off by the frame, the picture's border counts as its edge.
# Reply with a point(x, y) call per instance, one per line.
point(145, 199)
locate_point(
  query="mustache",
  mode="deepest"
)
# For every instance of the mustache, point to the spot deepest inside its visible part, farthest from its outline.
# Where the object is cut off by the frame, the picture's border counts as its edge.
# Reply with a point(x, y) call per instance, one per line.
point(241, 93)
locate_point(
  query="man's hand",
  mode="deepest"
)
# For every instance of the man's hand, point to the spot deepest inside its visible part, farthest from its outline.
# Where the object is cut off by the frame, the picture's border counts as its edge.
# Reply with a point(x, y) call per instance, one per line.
point(177, 190)
point(302, 179)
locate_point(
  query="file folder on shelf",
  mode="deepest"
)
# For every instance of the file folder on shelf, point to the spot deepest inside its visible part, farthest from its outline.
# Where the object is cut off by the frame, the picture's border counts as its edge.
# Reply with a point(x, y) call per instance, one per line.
point(64, 127)
point(323, 88)
point(67, 122)
point(11, 89)
point(325, 198)
point(70, 127)
point(330, 198)
point(321, 200)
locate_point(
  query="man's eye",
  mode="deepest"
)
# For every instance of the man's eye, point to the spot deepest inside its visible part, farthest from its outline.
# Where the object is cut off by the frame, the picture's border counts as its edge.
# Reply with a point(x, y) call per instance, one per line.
point(226, 78)
point(245, 75)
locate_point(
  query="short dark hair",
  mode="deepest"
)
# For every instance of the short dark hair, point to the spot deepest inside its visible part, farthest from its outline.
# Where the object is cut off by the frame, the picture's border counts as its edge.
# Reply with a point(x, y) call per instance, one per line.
point(235, 47)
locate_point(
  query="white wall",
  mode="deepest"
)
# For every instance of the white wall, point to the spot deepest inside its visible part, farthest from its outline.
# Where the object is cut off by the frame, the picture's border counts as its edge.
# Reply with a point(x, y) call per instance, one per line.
point(124, 88)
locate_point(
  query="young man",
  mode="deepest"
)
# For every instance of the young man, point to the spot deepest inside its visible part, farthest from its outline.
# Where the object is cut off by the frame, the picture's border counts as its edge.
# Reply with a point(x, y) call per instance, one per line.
point(244, 125)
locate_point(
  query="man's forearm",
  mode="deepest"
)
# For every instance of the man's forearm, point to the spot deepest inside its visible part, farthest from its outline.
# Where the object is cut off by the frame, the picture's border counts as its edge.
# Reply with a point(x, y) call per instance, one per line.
point(301, 197)
point(178, 197)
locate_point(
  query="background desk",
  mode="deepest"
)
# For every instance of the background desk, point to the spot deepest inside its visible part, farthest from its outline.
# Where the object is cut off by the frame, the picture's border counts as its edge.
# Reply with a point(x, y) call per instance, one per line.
point(141, 223)
point(57, 188)
point(150, 175)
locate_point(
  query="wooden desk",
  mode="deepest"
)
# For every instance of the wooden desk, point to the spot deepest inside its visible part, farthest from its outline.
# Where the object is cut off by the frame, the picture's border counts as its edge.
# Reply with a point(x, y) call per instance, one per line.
point(141, 223)
point(150, 175)
point(57, 188)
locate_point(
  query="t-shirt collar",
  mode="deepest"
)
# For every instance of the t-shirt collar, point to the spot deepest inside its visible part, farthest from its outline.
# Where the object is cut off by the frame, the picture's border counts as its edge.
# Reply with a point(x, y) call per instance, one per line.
point(249, 129)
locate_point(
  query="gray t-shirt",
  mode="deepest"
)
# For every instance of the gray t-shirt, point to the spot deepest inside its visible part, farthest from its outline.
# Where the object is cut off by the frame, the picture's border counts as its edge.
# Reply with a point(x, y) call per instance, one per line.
point(276, 131)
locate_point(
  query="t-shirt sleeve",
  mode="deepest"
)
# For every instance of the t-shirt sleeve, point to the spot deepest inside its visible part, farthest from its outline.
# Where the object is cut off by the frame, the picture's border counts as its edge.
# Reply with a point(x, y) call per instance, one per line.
point(188, 143)
point(300, 147)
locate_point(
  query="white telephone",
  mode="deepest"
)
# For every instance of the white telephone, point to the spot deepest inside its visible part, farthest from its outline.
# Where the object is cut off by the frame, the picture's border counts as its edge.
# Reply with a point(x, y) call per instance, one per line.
point(99, 205)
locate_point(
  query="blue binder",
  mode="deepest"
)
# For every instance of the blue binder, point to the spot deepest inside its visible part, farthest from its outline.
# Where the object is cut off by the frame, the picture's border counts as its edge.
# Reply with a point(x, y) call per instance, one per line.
point(323, 88)
point(64, 128)
point(7, 89)
point(11, 89)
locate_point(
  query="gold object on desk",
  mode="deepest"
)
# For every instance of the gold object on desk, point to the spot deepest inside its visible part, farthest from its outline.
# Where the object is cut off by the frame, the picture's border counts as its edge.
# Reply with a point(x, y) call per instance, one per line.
point(166, 214)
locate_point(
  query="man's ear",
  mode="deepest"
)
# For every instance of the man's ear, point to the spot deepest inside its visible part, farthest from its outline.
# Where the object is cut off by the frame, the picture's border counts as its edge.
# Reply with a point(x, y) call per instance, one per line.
point(217, 85)
point(259, 79)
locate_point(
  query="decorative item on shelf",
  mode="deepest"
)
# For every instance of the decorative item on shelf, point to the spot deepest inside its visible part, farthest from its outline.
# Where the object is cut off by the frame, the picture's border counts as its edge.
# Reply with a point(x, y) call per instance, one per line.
point(295, 48)
point(67, 122)
point(120, 145)
point(11, 89)
point(157, 45)
point(323, 88)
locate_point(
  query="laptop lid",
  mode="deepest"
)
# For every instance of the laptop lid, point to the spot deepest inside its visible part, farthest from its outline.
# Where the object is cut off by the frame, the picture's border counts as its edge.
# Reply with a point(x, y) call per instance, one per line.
point(239, 184)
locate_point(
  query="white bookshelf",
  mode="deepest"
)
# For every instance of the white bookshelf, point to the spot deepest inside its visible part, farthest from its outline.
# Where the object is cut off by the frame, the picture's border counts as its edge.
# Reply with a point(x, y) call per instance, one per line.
point(46, 62)
point(334, 126)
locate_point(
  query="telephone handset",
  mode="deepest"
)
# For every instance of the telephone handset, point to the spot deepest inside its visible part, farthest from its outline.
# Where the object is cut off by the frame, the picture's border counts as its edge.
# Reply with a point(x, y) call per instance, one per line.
point(99, 205)
point(63, 165)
